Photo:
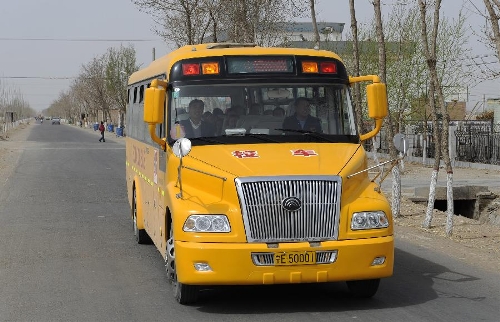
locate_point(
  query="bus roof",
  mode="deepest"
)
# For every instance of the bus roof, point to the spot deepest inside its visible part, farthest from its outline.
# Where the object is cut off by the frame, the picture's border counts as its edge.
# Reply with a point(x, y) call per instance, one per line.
point(162, 65)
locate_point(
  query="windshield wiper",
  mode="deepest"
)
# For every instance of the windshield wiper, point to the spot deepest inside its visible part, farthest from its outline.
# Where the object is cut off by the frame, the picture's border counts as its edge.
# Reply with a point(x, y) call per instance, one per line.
point(310, 133)
point(206, 139)
point(263, 137)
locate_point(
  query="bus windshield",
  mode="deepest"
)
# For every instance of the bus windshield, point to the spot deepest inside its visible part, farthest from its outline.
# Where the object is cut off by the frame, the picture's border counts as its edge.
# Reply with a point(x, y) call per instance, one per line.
point(281, 112)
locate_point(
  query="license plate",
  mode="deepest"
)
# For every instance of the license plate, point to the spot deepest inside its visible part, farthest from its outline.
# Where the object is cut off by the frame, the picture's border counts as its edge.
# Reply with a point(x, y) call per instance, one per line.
point(294, 258)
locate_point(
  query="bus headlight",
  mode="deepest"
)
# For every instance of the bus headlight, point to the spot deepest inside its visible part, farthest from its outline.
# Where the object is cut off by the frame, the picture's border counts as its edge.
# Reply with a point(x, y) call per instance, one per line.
point(369, 220)
point(207, 224)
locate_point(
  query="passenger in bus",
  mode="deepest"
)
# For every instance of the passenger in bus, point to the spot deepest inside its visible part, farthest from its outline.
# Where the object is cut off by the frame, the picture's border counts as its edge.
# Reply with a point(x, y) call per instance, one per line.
point(254, 109)
point(231, 118)
point(218, 118)
point(235, 109)
point(279, 111)
point(208, 117)
point(195, 127)
point(217, 112)
point(302, 119)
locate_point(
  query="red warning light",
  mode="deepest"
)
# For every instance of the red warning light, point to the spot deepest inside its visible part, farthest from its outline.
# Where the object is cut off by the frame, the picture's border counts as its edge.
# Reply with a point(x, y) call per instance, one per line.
point(328, 67)
point(190, 69)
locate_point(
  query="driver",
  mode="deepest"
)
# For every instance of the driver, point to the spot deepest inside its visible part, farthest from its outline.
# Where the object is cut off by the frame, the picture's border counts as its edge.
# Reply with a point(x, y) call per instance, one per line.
point(195, 126)
point(302, 119)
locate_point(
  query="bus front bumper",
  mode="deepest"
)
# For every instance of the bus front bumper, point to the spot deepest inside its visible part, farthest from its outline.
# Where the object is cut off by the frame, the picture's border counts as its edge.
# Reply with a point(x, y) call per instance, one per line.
point(233, 264)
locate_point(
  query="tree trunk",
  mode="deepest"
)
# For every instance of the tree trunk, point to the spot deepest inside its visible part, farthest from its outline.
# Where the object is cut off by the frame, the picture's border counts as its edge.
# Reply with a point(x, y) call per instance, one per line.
point(396, 191)
point(445, 151)
point(396, 197)
point(357, 86)
point(430, 202)
point(436, 90)
point(315, 25)
point(449, 203)
point(494, 23)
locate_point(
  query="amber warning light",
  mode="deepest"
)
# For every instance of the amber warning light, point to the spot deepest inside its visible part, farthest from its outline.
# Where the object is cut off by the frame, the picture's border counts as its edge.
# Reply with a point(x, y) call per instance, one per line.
point(194, 69)
point(324, 67)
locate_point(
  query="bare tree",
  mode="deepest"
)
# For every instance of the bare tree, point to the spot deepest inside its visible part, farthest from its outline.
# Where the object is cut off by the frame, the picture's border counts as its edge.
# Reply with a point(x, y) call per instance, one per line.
point(182, 22)
point(493, 8)
point(120, 63)
point(94, 74)
point(436, 85)
point(315, 25)
point(382, 58)
point(188, 22)
point(356, 71)
point(12, 100)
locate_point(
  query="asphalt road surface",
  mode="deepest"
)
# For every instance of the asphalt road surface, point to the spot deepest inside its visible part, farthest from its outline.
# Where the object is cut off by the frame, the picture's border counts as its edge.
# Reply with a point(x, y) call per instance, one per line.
point(67, 253)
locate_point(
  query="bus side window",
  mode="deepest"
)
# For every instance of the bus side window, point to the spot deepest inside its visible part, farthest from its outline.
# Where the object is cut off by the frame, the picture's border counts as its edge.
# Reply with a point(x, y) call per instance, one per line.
point(141, 94)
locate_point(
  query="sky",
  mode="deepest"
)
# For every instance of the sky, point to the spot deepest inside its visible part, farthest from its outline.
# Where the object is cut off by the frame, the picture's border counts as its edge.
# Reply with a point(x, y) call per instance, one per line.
point(44, 43)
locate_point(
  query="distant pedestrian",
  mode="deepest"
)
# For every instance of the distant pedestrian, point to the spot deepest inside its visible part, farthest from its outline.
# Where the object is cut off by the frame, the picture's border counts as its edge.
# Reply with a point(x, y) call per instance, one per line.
point(101, 129)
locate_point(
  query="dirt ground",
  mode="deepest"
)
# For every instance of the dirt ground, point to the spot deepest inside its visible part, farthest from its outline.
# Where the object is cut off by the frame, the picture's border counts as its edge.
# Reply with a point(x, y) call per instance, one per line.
point(473, 242)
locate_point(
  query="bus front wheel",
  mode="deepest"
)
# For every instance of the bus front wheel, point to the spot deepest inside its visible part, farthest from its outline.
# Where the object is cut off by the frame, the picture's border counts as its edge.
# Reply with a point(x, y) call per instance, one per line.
point(184, 294)
point(141, 236)
point(363, 288)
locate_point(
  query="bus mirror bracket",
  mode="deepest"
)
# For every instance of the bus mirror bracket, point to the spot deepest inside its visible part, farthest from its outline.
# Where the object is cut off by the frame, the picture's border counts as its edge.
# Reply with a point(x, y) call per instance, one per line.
point(154, 108)
point(401, 144)
point(181, 148)
point(377, 102)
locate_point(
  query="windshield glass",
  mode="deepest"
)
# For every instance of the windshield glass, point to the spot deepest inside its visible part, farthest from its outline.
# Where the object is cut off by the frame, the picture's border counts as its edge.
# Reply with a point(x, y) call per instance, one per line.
point(281, 112)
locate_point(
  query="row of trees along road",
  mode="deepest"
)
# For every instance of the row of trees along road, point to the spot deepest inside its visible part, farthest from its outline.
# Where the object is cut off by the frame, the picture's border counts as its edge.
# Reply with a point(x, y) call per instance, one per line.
point(100, 88)
point(422, 55)
point(12, 101)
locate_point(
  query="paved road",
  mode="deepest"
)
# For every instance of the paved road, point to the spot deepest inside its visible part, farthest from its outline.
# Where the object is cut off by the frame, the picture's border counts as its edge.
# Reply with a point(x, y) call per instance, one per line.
point(68, 254)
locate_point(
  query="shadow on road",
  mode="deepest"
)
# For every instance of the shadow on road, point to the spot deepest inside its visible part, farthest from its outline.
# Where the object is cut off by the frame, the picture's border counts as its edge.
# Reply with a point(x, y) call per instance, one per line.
point(411, 284)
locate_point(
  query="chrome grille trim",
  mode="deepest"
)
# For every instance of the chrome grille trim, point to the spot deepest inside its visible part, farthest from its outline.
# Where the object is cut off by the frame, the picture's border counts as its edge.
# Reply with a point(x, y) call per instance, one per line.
point(263, 259)
point(326, 257)
point(267, 259)
point(266, 220)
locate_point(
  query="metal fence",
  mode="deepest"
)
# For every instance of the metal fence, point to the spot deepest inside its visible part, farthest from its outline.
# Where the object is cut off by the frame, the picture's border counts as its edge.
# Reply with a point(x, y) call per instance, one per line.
point(477, 142)
point(469, 141)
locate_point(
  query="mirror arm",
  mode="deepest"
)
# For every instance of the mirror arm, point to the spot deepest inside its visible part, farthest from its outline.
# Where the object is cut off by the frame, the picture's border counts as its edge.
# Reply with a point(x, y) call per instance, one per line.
point(157, 82)
point(378, 126)
point(155, 138)
point(179, 179)
point(367, 78)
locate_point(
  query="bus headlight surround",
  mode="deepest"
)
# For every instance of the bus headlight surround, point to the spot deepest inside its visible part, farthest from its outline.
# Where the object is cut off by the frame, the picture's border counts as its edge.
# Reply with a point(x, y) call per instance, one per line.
point(207, 224)
point(369, 220)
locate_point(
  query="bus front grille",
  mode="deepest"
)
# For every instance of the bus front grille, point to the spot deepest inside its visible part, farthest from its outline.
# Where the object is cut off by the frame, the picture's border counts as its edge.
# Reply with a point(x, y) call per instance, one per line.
point(292, 208)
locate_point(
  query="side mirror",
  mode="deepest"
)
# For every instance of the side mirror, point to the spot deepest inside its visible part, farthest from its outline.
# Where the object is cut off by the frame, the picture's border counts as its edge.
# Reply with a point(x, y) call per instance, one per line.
point(377, 100)
point(181, 147)
point(154, 105)
point(401, 143)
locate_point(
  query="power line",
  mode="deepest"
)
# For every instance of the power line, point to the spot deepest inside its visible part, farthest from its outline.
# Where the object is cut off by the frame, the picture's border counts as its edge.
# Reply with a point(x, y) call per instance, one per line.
point(79, 39)
point(37, 77)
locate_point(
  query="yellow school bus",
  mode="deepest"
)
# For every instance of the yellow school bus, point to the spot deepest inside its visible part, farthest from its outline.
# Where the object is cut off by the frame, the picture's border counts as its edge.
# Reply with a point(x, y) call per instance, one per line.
point(244, 167)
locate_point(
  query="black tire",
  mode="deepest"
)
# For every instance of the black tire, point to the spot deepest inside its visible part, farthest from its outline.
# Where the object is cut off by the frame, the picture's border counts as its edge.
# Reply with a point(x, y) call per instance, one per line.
point(141, 236)
point(363, 288)
point(184, 294)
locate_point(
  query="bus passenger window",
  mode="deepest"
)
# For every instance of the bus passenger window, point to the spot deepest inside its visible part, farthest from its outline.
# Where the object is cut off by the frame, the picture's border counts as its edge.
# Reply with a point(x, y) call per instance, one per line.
point(141, 94)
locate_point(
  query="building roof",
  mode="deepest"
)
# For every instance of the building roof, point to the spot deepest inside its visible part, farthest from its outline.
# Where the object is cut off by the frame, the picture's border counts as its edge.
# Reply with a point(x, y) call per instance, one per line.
point(323, 27)
point(344, 45)
point(288, 28)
